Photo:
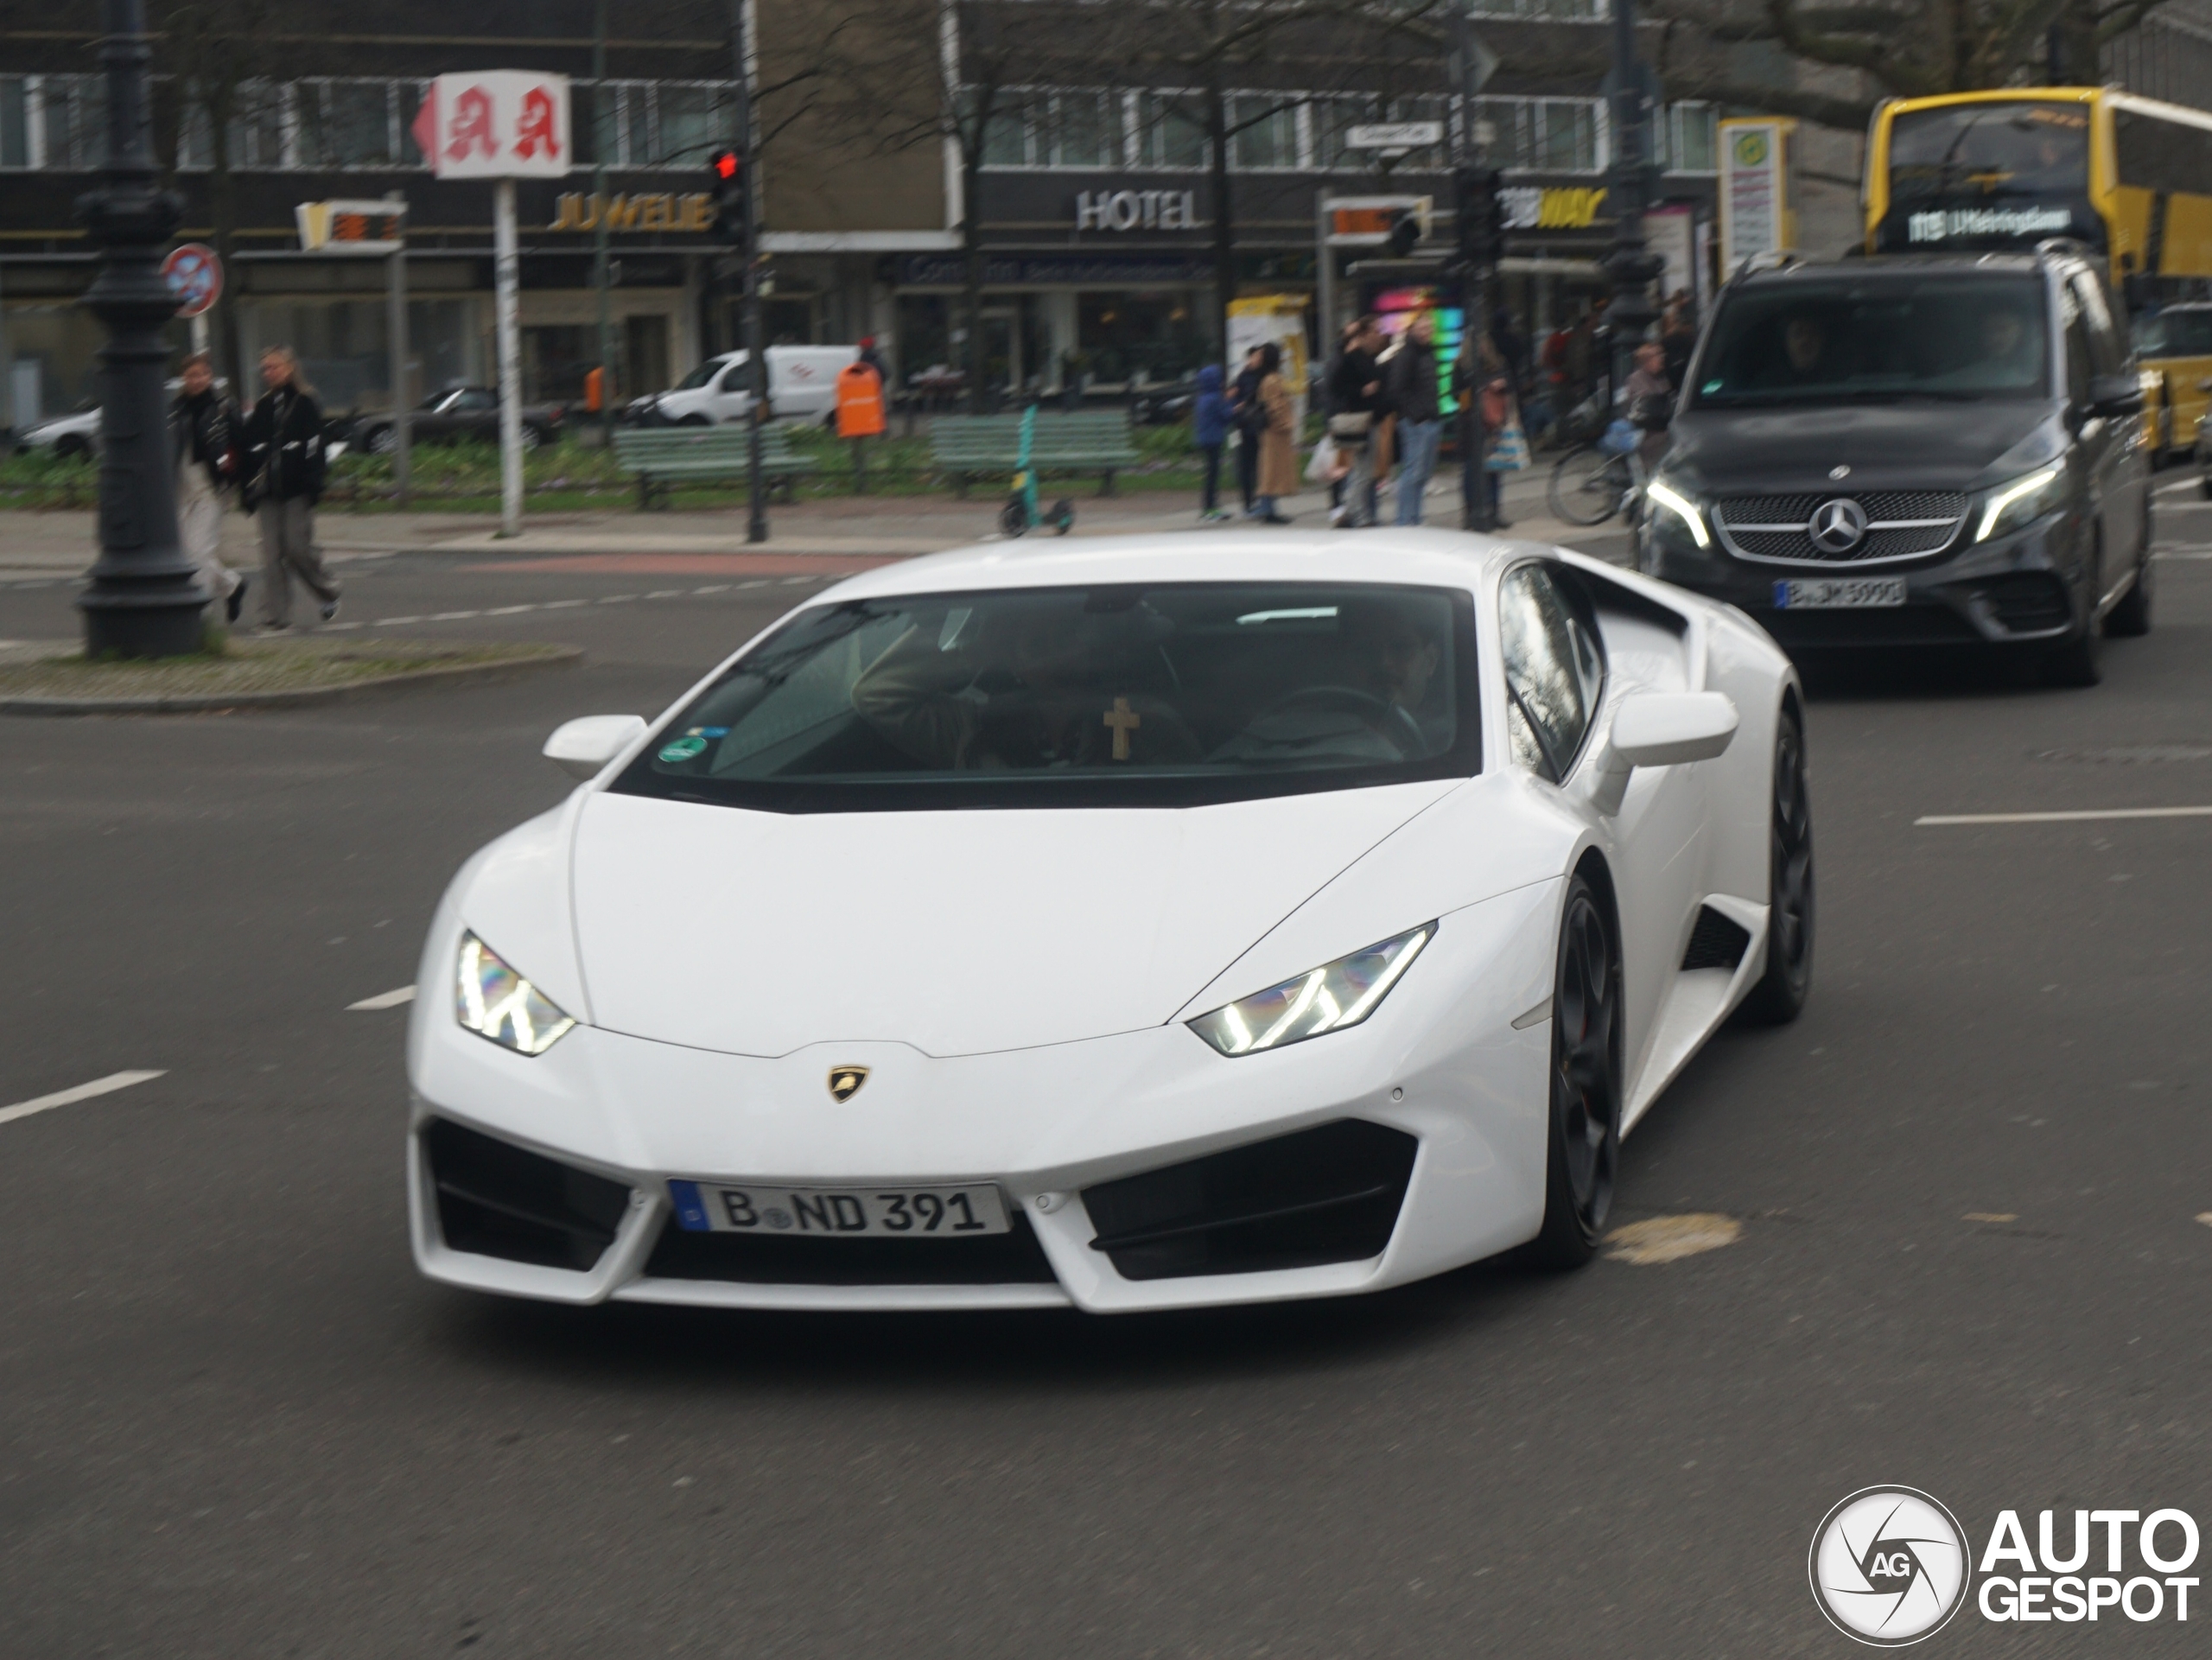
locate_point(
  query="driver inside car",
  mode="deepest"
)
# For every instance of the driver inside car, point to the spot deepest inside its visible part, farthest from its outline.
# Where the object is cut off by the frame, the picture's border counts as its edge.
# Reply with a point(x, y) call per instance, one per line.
point(1056, 681)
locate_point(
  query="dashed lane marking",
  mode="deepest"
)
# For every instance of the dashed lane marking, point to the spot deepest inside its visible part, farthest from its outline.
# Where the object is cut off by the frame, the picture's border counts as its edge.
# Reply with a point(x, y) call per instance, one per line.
point(106, 1085)
point(384, 1000)
point(2074, 817)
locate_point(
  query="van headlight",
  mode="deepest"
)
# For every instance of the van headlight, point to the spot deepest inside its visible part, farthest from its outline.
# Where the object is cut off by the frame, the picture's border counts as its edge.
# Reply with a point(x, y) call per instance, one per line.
point(2021, 502)
point(1664, 497)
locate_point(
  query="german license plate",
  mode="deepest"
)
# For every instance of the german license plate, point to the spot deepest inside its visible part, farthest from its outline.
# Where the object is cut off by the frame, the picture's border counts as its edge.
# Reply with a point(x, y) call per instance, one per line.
point(839, 1212)
point(1838, 593)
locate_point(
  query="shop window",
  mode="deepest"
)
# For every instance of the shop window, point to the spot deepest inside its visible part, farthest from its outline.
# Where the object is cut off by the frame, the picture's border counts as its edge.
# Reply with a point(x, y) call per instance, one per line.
point(1558, 134)
point(1172, 136)
point(1265, 130)
point(257, 129)
point(1006, 133)
point(637, 125)
point(15, 122)
point(1689, 138)
point(1138, 336)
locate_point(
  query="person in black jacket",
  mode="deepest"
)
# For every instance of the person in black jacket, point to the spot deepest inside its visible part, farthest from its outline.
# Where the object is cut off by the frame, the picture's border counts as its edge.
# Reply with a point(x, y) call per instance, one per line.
point(204, 427)
point(1355, 404)
point(1251, 422)
point(284, 466)
point(1411, 383)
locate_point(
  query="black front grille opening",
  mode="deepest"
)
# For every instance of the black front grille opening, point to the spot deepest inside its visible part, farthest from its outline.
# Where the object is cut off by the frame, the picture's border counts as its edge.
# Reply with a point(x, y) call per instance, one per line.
point(1325, 1195)
point(2027, 602)
point(1011, 1258)
point(494, 1199)
point(1715, 942)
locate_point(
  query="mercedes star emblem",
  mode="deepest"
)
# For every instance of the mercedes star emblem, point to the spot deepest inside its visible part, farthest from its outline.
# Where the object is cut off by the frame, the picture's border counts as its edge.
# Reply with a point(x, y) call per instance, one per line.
point(1841, 470)
point(1838, 526)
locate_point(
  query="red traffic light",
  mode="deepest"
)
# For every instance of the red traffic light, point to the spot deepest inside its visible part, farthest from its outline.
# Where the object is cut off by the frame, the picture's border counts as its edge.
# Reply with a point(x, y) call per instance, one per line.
point(726, 163)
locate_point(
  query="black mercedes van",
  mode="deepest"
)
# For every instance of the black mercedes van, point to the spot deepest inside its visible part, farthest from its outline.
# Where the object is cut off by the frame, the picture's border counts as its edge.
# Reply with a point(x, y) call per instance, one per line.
point(1913, 451)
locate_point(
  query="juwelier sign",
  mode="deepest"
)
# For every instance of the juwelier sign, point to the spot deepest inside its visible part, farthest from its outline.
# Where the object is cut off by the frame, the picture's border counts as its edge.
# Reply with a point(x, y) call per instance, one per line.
point(575, 212)
point(1137, 210)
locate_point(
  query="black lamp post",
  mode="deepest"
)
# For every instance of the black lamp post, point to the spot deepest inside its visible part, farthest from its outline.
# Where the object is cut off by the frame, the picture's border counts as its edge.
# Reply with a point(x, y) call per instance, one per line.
point(144, 596)
point(1630, 264)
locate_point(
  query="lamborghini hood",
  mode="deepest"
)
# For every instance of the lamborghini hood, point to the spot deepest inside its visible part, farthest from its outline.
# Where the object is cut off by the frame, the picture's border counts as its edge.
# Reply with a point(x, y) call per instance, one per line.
point(959, 933)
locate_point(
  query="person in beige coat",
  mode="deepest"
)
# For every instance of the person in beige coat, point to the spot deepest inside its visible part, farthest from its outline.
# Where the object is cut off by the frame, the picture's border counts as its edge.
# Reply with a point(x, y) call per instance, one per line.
point(1278, 443)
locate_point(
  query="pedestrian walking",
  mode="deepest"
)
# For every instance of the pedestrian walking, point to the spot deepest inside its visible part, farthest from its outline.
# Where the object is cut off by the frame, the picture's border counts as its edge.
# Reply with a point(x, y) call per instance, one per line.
point(1480, 372)
point(284, 467)
point(1278, 444)
point(1244, 405)
point(1209, 423)
point(1413, 392)
point(206, 428)
point(1355, 397)
point(874, 358)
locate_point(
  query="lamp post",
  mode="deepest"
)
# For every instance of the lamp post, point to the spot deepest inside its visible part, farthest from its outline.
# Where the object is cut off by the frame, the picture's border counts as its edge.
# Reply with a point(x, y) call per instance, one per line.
point(143, 596)
point(1631, 263)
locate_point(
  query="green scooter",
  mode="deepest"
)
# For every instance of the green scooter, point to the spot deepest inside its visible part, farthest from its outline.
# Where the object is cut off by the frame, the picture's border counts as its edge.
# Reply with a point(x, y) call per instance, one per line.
point(1021, 510)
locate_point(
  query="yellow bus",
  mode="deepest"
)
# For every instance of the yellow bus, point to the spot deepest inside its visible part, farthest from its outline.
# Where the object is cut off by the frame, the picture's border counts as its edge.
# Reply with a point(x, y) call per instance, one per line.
point(2128, 176)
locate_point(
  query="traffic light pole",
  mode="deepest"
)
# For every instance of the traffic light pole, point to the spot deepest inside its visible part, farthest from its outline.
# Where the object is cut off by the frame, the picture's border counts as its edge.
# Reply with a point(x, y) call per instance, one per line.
point(756, 523)
point(1630, 264)
point(1474, 438)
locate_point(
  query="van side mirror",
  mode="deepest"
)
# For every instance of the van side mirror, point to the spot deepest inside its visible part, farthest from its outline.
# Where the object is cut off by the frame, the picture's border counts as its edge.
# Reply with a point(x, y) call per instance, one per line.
point(582, 748)
point(2114, 395)
point(1662, 728)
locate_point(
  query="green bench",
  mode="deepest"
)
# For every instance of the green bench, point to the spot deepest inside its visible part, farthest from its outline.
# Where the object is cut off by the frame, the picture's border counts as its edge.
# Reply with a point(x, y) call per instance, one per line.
point(660, 457)
point(964, 448)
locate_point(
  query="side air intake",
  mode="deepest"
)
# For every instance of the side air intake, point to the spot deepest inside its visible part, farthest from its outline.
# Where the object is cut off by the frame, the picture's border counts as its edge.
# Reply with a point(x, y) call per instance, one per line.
point(1715, 943)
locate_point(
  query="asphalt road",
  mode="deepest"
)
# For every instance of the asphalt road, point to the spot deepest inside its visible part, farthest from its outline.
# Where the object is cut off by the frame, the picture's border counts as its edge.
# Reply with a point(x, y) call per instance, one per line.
point(233, 1423)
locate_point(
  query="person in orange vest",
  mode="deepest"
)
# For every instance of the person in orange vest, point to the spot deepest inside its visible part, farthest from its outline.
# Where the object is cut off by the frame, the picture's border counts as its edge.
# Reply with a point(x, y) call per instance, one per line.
point(860, 413)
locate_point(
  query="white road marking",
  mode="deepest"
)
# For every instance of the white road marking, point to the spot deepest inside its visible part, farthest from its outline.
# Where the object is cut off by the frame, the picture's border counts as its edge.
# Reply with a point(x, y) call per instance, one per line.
point(2182, 553)
point(393, 622)
point(666, 594)
point(452, 616)
point(564, 605)
point(617, 599)
point(509, 610)
point(2178, 484)
point(719, 588)
point(67, 1098)
point(792, 581)
point(384, 1000)
point(2064, 817)
point(553, 605)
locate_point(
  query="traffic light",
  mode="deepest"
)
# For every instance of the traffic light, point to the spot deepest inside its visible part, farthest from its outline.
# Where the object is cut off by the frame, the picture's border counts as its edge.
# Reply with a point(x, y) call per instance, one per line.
point(733, 225)
point(1478, 215)
point(1405, 231)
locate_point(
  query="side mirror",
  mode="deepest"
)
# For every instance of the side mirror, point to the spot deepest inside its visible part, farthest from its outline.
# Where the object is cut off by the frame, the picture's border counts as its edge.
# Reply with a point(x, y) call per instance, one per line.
point(582, 748)
point(2115, 395)
point(1662, 728)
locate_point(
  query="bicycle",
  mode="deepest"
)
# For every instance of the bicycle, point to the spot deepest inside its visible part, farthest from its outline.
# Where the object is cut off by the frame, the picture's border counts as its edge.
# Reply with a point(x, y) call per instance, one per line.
point(1590, 485)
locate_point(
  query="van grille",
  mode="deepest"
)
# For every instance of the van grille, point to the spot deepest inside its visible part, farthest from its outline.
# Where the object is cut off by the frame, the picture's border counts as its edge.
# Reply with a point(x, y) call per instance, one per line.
point(1900, 525)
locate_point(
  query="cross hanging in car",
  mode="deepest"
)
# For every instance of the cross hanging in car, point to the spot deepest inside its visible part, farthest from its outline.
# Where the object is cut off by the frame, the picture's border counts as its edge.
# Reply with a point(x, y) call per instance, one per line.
point(1124, 721)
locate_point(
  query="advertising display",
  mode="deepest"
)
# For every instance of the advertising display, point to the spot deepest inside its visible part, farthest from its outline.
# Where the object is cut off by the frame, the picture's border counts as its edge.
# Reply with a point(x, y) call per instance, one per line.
point(1758, 211)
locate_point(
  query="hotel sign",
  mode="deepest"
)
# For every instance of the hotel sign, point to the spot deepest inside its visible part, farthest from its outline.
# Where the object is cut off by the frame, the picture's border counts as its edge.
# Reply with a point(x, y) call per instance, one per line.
point(1133, 210)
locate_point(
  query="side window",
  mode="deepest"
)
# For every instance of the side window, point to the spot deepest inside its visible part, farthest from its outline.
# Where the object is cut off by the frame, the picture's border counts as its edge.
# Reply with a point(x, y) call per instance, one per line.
point(2106, 355)
point(2077, 343)
point(475, 400)
point(1555, 671)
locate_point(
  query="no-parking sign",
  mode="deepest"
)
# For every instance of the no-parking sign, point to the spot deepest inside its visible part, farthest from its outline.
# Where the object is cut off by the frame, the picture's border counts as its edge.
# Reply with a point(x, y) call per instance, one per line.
point(194, 275)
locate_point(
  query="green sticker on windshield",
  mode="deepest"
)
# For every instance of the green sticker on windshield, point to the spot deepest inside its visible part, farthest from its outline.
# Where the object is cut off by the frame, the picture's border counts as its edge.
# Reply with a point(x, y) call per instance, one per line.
point(1710, 387)
point(683, 749)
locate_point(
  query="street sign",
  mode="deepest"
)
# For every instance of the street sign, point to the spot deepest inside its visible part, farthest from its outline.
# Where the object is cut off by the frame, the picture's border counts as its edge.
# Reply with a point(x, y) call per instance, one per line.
point(362, 227)
point(1365, 221)
point(1395, 134)
point(495, 124)
point(195, 276)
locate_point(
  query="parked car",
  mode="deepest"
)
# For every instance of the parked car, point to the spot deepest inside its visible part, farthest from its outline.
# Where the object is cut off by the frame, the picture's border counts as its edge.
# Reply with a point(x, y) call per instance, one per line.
point(802, 386)
point(1162, 403)
point(77, 433)
point(455, 413)
point(1914, 450)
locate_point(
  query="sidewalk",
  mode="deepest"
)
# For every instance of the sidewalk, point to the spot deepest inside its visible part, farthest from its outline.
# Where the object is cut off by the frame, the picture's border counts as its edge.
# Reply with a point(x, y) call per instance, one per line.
point(51, 544)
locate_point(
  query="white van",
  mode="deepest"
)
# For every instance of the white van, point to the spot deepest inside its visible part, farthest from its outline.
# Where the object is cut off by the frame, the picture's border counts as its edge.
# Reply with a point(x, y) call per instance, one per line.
point(802, 386)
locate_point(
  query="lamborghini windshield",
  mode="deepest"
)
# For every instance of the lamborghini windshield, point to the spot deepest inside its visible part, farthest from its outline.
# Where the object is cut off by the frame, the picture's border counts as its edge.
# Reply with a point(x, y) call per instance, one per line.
point(1166, 695)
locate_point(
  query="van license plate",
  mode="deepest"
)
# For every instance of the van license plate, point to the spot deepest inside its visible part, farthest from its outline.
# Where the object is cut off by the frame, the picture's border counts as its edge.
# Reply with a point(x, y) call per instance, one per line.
point(1838, 593)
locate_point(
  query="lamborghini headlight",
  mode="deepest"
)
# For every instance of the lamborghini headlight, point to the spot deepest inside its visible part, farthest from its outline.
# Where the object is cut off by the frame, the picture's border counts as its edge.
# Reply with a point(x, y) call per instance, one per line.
point(494, 1001)
point(1328, 999)
point(1664, 497)
point(2020, 502)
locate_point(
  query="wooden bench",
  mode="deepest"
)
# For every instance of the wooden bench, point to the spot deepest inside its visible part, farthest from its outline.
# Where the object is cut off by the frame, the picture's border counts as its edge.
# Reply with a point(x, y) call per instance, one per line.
point(966, 446)
point(660, 457)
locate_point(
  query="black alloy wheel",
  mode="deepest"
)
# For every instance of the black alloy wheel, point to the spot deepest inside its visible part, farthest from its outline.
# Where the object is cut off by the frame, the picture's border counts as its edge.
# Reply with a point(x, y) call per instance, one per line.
point(529, 437)
point(1585, 1083)
point(382, 441)
point(1780, 994)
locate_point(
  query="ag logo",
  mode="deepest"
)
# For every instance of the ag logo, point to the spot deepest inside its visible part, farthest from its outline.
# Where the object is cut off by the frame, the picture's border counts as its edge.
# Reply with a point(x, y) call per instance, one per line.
point(1750, 150)
point(1838, 526)
point(1889, 1566)
point(845, 1082)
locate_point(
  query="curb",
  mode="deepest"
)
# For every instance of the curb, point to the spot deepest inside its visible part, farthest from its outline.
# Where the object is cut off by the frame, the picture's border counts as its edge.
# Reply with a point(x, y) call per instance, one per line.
point(565, 657)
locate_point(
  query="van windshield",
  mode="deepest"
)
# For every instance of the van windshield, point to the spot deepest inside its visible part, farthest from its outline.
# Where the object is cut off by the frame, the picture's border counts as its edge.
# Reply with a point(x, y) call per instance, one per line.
point(705, 372)
point(1887, 337)
point(1160, 695)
